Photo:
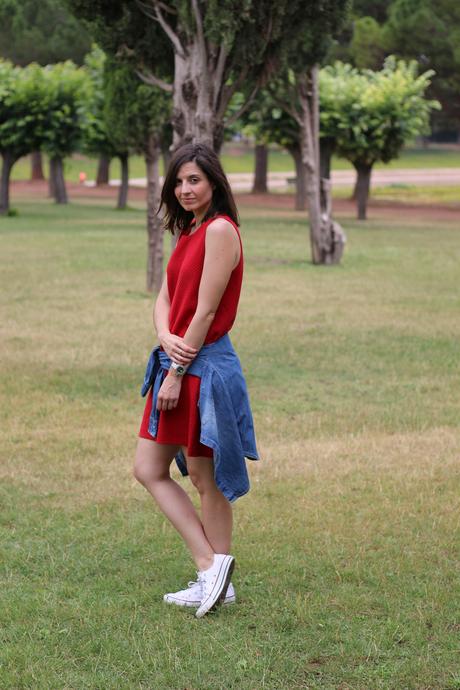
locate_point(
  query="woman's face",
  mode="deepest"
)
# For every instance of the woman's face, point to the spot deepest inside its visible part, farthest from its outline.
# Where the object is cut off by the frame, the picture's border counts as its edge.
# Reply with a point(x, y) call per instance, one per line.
point(193, 189)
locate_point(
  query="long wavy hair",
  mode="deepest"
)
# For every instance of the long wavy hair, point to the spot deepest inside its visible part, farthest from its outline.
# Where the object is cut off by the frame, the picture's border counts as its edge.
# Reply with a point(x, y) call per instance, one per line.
point(176, 218)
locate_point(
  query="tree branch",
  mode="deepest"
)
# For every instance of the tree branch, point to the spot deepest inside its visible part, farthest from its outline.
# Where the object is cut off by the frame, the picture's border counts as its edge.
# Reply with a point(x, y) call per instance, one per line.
point(173, 37)
point(288, 103)
point(228, 91)
point(152, 80)
point(199, 31)
point(233, 118)
point(167, 8)
point(219, 74)
point(144, 7)
point(314, 80)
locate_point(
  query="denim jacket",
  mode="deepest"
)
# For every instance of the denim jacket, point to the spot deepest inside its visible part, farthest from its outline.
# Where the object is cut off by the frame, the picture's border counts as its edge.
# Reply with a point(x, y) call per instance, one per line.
point(225, 413)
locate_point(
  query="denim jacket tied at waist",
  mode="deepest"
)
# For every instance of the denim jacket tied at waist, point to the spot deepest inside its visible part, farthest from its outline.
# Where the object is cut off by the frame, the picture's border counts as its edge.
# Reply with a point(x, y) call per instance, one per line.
point(226, 419)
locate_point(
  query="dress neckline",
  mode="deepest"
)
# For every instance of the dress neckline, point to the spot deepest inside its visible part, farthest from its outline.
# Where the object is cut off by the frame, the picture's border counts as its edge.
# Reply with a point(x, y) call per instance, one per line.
point(191, 232)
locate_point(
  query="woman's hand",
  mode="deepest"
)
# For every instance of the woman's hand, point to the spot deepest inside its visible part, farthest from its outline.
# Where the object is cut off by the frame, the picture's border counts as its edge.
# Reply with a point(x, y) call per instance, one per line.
point(176, 348)
point(169, 392)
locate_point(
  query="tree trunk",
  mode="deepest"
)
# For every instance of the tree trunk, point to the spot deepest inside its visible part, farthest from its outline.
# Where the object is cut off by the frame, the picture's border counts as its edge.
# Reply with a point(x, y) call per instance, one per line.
point(354, 194)
point(260, 169)
point(326, 149)
point(52, 179)
point(362, 188)
point(202, 90)
point(300, 179)
point(36, 166)
point(7, 164)
point(103, 168)
point(192, 115)
point(326, 236)
point(60, 191)
point(123, 189)
point(166, 154)
point(155, 229)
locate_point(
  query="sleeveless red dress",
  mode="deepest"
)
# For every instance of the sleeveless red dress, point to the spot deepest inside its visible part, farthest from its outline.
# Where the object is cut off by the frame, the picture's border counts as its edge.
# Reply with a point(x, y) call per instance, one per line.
point(181, 426)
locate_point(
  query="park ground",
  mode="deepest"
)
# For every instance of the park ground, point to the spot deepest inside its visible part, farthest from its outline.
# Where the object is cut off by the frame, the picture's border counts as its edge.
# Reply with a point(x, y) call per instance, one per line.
point(347, 545)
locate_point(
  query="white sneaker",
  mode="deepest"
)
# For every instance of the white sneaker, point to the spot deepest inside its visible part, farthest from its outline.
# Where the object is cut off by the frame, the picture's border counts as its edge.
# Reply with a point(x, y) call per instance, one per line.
point(214, 582)
point(192, 596)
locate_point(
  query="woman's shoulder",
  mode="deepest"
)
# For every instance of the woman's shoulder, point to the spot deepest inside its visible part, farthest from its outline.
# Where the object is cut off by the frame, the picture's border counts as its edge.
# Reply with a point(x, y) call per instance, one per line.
point(222, 226)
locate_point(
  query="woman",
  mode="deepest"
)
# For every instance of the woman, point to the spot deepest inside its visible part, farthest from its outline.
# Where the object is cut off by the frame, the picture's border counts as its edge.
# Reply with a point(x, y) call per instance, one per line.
point(197, 408)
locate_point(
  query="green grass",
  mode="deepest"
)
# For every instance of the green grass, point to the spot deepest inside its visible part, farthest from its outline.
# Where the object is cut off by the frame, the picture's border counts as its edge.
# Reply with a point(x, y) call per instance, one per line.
point(406, 193)
point(240, 159)
point(347, 544)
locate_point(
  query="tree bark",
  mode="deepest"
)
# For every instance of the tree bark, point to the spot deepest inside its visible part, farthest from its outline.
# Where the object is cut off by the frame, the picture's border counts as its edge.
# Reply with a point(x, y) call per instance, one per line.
point(123, 189)
point(155, 229)
point(326, 149)
point(60, 191)
point(354, 194)
point(363, 183)
point(201, 93)
point(166, 153)
point(327, 238)
point(260, 185)
point(300, 179)
point(7, 164)
point(201, 89)
point(52, 179)
point(193, 117)
point(36, 166)
point(103, 168)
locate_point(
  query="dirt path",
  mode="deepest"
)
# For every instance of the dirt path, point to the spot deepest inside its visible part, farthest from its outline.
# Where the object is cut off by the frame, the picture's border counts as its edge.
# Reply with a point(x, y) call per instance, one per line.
point(242, 182)
point(275, 202)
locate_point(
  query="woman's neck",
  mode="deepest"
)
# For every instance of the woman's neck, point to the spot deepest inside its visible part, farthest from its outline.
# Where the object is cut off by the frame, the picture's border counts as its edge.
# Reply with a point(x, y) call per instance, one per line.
point(200, 215)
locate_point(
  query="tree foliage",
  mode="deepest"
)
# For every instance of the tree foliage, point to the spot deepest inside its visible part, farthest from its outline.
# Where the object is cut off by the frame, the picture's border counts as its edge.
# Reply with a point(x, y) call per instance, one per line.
point(369, 116)
point(42, 31)
point(65, 85)
point(24, 104)
point(204, 52)
point(367, 46)
point(95, 139)
point(377, 9)
point(429, 32)
point(132, 109)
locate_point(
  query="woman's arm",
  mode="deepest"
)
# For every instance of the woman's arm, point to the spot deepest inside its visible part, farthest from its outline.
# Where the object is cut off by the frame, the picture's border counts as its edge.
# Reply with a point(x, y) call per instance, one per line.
point(173, 345)
point(222, 254)
point(161, 310)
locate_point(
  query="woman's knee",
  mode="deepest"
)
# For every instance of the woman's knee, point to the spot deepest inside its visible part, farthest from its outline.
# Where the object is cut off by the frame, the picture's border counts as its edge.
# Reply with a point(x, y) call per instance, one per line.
point(149, 464)
point(201, 475)
point(146, 474)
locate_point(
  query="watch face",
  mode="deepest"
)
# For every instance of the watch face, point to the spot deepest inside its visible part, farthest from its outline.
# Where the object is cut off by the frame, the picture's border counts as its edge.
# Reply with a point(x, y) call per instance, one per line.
point(180, 369)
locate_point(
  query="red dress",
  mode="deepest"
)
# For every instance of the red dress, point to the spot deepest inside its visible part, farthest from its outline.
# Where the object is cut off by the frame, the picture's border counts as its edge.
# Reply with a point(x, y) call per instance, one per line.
point(181, 426)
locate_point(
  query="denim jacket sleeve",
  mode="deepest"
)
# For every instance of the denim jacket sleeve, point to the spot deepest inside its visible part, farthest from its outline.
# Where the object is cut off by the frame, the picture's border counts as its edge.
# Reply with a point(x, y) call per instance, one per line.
point(225, 413)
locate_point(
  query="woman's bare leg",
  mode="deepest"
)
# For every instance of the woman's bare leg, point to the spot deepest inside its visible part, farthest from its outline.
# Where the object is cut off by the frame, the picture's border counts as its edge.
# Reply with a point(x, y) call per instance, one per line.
point(216, 510)
point(151, 468)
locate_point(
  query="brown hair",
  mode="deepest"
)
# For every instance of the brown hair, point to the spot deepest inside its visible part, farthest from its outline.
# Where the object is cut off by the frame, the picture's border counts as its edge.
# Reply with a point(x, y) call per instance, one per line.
point(176, 217)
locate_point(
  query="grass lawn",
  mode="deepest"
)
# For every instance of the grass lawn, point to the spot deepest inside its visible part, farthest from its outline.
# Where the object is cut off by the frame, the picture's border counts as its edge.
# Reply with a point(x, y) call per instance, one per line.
point(240, 159)
point(407, 193)
point(347, 546)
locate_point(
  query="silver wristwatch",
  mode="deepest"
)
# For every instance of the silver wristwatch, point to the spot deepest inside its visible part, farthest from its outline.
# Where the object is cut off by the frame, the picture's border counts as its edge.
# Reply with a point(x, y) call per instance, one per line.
point(178, 369)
